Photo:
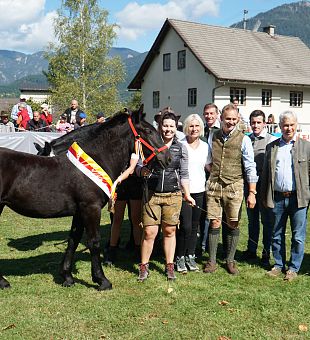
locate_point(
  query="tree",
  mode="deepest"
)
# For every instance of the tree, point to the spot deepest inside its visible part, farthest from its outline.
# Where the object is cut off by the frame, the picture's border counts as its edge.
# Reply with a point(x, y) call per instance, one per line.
point(35, 106)
point(135, 101)
point(79, 65)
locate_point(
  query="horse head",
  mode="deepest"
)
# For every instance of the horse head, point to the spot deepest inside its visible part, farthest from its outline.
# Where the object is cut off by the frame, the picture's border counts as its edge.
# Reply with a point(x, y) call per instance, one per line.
point(148, 138)
point(151, 143)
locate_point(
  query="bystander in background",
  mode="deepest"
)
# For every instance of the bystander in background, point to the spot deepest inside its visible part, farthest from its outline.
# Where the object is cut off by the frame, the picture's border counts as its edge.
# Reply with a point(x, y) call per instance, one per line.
point(37, 124)
point(46, 115)
point(16, 109)
point(80, 120)
point(100, 118)
point(5, 125)
point(62, 125)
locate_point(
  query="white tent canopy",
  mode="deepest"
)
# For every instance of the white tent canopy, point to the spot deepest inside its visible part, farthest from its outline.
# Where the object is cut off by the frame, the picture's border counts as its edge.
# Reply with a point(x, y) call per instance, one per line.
point(24, 141)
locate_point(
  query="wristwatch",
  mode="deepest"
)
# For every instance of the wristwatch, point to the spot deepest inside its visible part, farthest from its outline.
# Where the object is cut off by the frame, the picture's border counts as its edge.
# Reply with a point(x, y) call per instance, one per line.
point(254, 192)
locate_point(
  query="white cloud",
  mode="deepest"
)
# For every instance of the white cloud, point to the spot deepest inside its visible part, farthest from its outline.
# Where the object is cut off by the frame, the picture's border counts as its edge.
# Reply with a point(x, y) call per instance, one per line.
point(136, 20)
point(16, 12)
point(24, 26)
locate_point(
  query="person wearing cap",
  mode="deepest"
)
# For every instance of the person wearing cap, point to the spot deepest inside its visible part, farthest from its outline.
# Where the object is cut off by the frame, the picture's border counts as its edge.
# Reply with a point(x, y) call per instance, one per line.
point(62, 125)
point(163, 205)
point(100, 118)
point(45, 115)
point(5, 125)
point(15, 110)
point(80, 120)
point(72, 112)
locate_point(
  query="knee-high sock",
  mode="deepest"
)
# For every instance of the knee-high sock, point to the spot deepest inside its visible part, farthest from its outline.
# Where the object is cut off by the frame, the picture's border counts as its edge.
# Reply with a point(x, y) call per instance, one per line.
point(214, 235)
point(232, 242)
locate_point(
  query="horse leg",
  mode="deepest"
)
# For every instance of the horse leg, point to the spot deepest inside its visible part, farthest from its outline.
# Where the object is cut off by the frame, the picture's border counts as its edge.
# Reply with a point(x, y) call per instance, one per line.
point(91, 220)
point(3, 282)
point(75, 236)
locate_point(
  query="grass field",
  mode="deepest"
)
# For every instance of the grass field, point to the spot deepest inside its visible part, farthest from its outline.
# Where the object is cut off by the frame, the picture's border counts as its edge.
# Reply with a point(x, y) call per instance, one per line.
point(196, 306)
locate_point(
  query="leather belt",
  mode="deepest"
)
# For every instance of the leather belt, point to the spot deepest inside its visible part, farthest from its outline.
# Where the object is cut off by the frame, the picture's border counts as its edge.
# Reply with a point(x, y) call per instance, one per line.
point(285, 193)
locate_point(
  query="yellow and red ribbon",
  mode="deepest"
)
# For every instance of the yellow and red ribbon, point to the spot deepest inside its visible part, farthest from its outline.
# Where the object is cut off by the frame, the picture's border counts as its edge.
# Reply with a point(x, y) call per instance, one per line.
point(91, 169)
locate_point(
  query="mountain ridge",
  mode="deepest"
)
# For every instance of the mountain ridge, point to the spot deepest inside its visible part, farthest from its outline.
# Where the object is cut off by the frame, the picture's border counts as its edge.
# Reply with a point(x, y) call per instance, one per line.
point(289, 19)
point(18, 69)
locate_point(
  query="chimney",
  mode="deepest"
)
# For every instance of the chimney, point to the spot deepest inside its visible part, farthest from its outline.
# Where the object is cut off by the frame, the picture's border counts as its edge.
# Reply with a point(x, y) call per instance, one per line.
point(269, 30)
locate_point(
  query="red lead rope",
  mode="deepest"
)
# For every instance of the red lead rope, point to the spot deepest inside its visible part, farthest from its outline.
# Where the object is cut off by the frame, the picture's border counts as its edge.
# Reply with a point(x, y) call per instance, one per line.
point(150, 147)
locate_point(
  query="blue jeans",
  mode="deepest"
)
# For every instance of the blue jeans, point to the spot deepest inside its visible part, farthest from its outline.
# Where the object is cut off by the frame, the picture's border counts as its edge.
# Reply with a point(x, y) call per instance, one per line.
point(259, 212)
point(285, 207)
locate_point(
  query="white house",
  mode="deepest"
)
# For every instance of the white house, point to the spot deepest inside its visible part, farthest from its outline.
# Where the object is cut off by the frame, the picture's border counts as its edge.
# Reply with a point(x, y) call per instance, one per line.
point(38, 93)
point(191, 64)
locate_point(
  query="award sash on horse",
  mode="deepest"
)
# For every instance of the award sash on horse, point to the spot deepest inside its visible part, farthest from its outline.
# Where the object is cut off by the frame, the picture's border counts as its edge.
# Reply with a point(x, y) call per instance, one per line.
point(91, 169)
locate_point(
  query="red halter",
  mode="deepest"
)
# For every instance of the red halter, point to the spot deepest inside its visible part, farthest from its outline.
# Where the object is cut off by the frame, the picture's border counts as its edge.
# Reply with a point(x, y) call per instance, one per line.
point(141, 140)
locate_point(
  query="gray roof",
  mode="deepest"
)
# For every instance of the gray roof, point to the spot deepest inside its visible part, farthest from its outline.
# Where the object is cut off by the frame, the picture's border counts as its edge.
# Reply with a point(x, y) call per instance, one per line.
point(37, 86)
point(239, 55)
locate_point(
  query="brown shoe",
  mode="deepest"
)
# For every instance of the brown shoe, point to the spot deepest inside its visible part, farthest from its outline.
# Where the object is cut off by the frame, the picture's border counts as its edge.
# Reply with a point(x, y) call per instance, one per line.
point(143, 272)
point(210, 267)
point(170, 272)
point(232, 268)
point(290, 276)
point(274, 272)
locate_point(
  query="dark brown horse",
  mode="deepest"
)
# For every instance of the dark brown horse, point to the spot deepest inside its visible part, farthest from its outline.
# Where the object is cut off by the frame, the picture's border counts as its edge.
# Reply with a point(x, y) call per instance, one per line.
point(67, 191)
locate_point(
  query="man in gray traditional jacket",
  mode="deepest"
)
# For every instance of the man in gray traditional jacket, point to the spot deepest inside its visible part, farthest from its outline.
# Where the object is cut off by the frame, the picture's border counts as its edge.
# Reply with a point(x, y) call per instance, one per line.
point(285, 190)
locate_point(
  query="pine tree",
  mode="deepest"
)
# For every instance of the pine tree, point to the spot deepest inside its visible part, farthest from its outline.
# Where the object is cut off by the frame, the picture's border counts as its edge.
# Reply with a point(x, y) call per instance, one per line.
point(79, 65)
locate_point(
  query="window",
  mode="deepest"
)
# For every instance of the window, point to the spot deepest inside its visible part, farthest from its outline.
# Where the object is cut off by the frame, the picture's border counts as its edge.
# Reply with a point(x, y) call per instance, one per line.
point(181, 59)
point(192, 97)
point(266, 97)
point(156, 99)
point(238, 93)
point(295, 99)
point(166, 62)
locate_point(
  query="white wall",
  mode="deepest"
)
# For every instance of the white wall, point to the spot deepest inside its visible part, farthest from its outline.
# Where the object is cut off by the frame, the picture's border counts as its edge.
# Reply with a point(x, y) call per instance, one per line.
point(38, 97)
point(174, 84)
point(279, 102)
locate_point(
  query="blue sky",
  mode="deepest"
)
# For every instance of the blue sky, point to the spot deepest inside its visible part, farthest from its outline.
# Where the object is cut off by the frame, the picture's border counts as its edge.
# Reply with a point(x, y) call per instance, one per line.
point(28, 26)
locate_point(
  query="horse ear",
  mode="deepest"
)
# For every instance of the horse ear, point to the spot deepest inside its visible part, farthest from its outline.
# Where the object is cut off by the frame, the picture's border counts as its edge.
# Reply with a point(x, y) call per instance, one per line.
point(43, 151)
point(139, 115)
point(126, 110)
point(39, 148)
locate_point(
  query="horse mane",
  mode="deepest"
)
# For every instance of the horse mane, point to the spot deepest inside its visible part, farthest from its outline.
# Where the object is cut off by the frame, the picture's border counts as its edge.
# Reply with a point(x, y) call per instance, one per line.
point(89, 132)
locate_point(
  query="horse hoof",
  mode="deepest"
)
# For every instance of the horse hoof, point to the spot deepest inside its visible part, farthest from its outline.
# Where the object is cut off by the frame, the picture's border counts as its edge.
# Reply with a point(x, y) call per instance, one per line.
point(68, 283)
point(105, 286)
point(4, 284)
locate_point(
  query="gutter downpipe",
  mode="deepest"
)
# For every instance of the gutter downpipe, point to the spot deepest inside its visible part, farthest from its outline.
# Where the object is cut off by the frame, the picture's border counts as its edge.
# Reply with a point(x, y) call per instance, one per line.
point(214, 89)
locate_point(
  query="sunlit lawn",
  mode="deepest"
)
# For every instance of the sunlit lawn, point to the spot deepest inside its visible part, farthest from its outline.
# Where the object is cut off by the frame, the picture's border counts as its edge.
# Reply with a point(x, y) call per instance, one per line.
point(196, 306)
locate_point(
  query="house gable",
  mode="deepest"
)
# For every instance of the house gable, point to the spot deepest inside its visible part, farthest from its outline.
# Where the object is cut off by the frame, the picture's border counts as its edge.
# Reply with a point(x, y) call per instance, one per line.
point(174, 85)
point(221, 61)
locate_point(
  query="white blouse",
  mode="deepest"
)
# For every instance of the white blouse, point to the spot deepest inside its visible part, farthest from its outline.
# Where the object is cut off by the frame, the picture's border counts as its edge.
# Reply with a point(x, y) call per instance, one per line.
point(197, 160)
